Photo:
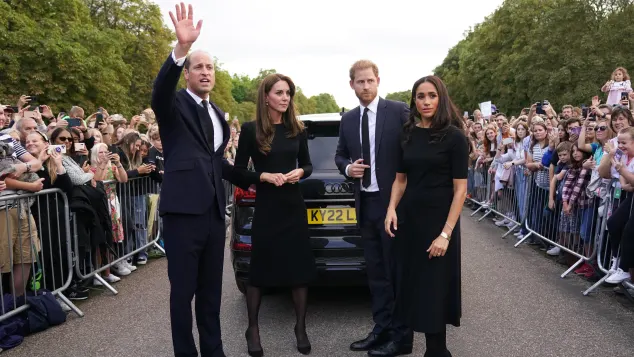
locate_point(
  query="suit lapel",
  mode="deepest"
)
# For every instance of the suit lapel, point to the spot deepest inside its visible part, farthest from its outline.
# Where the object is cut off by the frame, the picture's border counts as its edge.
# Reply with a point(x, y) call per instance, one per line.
point(226, 132)
point(356, 132)
point(199, 132)
point(380, 121)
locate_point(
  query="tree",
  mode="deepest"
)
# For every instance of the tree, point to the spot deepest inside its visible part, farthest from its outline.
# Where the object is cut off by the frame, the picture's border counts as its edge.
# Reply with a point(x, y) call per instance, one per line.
point(302, 104)
point(324, 103)
point(69, 52)
point(531, 50)
point(404, 96)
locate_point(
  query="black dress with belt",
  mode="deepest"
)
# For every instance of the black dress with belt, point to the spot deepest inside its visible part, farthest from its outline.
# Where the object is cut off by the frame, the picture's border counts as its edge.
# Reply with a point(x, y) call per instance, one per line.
point(429, 296)
point(281, 253)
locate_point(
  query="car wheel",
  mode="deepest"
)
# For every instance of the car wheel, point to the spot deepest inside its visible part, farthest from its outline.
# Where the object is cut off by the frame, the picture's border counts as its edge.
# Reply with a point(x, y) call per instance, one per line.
point(242, 286)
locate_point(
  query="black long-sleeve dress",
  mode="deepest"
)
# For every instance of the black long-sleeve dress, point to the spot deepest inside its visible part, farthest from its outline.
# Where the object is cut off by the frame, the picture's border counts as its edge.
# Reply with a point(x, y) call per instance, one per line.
point(281, 253)
point(429, 294)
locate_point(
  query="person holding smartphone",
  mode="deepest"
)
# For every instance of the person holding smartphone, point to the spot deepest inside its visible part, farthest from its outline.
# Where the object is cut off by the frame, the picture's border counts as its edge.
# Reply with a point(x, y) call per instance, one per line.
point(133, 195)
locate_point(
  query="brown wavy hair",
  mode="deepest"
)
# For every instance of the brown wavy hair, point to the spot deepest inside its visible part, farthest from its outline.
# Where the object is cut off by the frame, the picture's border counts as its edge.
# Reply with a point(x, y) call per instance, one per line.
point(446, 115)
point(264, 129)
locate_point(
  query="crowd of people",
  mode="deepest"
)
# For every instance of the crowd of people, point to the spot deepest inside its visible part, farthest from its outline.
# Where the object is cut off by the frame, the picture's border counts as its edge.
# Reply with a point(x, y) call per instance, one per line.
point(560, 175)
point(106, 165)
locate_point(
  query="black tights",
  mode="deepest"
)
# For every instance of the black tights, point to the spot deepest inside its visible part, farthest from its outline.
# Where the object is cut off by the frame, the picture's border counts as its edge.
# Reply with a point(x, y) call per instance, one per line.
point(254, 299)
point(437, 345)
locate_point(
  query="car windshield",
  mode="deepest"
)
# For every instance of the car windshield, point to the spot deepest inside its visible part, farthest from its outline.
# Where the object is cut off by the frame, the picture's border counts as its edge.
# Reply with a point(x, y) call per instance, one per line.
point(322, 144)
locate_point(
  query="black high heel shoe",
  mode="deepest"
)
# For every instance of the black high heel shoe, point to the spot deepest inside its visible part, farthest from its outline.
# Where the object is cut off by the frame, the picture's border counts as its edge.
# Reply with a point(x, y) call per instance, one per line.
point(303, 348)
point(253, 353)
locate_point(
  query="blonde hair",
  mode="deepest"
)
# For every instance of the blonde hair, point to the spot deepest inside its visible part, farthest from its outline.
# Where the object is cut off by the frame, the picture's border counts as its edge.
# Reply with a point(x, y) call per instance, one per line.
point(94, 153)
point(363, 64)
point(626, 76)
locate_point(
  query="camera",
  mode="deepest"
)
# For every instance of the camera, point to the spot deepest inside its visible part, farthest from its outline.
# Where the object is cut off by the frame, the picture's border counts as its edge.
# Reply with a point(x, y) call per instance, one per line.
point(60, 149)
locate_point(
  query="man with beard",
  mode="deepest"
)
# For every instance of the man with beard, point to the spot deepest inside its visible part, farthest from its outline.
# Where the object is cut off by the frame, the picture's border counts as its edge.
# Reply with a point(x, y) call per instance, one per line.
point(368, 149)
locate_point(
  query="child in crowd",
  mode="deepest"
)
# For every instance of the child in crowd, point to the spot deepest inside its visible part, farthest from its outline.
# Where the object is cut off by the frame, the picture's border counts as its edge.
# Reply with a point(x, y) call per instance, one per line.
point(564, 151)
point(619, 83)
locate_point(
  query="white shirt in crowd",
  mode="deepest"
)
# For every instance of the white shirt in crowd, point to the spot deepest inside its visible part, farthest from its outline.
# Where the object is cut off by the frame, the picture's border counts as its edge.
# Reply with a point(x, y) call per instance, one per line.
point(218, 137)
point(372, 109)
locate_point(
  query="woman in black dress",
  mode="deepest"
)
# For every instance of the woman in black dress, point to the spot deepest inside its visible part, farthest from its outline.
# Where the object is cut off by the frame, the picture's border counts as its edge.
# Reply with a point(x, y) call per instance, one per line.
point(428, 194)
point(281, 254)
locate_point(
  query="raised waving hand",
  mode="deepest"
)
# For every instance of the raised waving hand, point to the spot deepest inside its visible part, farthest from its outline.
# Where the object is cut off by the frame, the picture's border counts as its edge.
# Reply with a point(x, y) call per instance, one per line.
point(186, 33)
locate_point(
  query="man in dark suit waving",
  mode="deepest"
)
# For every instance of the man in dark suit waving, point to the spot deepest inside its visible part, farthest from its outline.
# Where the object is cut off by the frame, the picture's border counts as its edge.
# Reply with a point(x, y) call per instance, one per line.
point(194, 134)
point(368, 149)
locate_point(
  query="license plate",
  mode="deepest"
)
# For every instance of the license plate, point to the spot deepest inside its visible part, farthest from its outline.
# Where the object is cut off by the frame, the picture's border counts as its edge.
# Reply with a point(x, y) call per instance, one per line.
point(332, 216)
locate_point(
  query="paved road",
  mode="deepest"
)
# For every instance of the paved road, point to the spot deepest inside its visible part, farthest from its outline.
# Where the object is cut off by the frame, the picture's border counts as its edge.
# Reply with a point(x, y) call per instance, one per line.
point(513, 300)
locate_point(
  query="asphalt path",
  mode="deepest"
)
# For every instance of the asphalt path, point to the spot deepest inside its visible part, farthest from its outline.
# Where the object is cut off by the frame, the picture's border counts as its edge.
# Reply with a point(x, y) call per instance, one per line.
point(514, 304)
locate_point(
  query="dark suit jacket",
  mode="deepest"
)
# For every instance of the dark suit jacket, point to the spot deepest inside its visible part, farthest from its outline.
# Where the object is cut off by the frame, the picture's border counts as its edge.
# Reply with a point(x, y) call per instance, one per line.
point(390, 118)
point(193, 171)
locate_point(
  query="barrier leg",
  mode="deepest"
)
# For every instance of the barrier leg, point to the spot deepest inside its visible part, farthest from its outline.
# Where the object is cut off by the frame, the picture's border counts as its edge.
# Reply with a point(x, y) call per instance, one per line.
point(596, 285)
point(572, 268)
point(72, 306)
point(523, 239)
point(511, 230)
point(105, 284)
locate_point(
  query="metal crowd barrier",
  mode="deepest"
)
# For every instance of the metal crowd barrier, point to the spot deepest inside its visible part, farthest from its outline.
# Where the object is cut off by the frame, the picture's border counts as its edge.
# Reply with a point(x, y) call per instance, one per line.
point(607, 260)
point(581, 232)
point(139, 228)
point(35, 251)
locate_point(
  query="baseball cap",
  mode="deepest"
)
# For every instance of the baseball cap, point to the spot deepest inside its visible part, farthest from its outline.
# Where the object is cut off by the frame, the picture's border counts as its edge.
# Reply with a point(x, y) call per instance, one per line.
point(6, 108)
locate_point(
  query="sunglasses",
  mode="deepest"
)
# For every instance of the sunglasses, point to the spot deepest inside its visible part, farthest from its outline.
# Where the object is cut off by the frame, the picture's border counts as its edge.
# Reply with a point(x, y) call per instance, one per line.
point(601, 128)
point(64, 138)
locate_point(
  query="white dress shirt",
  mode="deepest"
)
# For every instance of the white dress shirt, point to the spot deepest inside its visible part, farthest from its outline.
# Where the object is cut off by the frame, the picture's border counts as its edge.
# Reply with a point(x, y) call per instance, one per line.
point(373, 106)
point(218, 136)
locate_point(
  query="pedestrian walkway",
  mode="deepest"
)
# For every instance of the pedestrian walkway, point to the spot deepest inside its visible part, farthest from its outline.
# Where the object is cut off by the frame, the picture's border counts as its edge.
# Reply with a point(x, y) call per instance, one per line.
point(514, 304)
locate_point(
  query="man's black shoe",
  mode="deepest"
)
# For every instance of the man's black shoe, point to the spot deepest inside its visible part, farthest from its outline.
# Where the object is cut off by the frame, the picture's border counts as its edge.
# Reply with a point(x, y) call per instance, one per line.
point(391, 349)
point(368, 343)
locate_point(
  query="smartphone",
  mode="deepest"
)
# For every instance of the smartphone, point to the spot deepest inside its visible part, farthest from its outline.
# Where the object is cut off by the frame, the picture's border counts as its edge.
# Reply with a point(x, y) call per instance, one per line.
point(73, 122)
point(584, 112)
point(507, 141)
point(624, 96)
point(28, 114)
point(618, 154)
point(80, 146)
point(539, 109)
point(98, 120)
point(466, 114)
point(60, 149)
point(33, 99)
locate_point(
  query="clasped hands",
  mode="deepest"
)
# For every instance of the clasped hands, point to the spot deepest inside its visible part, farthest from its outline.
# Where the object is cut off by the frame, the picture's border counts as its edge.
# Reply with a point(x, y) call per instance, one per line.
point(280, 179)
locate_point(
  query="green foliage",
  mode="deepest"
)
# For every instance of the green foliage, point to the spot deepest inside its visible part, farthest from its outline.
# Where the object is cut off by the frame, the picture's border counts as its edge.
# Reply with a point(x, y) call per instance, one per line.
point(88, 53)
point(404, 96)
point(530, 50)
point(324, 103)
point(106, 53)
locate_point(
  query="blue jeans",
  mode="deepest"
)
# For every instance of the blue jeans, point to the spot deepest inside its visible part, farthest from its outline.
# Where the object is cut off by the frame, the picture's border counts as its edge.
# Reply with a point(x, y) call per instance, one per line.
point(520, 195)
point(138, 231)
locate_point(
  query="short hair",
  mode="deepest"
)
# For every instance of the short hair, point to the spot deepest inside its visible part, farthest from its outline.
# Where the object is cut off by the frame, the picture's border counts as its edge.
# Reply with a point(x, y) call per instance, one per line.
point(500, 115)
point(363, 64)
point(567, 106)
point(188, 60)
point(564, 146)
point(572, 121)
point(75, 110)
point(20, 124)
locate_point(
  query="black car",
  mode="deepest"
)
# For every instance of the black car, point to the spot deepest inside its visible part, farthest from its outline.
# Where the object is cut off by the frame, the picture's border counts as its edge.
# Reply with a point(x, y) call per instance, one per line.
point(329, 198)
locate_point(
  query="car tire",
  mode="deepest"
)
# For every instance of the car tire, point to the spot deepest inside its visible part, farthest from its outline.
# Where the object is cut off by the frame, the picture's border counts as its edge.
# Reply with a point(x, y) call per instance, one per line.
point(242, 286)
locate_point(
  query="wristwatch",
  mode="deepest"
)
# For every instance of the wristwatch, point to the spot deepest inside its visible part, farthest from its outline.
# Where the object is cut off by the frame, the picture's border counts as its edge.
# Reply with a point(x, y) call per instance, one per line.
point(444, 235)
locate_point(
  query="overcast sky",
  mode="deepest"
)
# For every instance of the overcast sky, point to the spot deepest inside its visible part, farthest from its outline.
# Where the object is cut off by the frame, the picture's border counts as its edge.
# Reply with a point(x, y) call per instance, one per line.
point(315, 42)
